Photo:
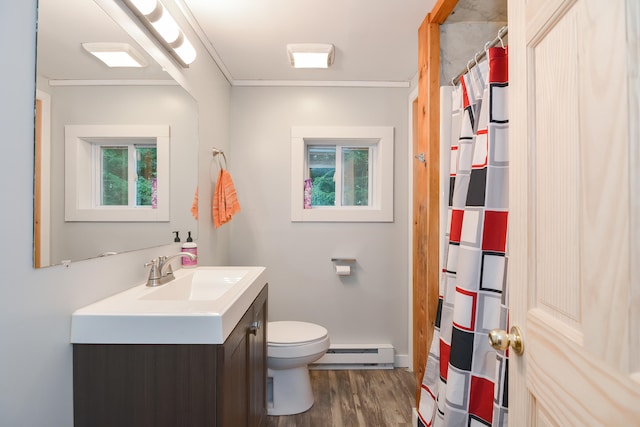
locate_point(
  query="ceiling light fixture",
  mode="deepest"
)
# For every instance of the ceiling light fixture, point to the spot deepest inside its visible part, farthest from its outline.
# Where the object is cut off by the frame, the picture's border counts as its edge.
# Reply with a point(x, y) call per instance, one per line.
point(310, 55)
point(116, 54)
point(164, 27)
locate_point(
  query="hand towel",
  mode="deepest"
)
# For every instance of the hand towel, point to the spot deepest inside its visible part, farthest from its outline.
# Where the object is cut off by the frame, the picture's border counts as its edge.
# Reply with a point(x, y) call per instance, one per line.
point(225, 199)
point(194, 206)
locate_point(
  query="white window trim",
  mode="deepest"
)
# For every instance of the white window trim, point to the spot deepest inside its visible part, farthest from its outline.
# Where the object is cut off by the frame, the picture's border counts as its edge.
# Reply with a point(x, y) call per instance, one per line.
point(381, 209)
point(79, 174)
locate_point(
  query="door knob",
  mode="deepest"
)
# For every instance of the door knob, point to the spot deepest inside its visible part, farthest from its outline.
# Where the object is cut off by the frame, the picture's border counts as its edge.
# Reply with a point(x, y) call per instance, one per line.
point(501, 339)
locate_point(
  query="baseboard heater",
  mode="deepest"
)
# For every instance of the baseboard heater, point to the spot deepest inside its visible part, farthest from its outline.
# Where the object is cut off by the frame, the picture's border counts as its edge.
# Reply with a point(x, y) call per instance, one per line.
point(357, 356)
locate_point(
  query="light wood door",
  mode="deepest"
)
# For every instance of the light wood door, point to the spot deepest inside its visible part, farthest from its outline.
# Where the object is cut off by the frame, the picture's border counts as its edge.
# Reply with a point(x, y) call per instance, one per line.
point(37, 187)
point(574, 207)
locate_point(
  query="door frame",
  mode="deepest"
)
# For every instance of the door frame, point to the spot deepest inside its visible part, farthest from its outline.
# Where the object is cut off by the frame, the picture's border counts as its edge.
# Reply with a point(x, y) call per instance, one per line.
point(42, 182)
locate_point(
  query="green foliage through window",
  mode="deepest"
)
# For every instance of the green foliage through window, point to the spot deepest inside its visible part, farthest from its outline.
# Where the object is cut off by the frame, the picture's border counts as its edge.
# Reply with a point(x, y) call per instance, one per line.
point(115, 176)
point(354, 169)
point(146, 169)
point(116, 164)
point(355, 175)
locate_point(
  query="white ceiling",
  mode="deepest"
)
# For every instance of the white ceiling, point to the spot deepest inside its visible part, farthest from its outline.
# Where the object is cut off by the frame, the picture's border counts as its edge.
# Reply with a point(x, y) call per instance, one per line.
point(375, 40)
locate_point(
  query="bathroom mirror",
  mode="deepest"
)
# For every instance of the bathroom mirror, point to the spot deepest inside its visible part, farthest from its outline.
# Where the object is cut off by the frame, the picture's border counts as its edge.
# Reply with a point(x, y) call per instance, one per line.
point(73, 88)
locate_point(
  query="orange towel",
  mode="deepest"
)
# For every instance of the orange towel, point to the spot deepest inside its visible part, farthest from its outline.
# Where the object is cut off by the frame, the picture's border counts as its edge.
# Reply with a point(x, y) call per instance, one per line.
point(194, 206)
point(225, 200)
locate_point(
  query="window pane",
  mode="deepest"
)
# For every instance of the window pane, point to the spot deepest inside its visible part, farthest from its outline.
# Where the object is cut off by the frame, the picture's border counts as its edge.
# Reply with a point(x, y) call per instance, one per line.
point(355, 176)
point(146, 171)
point(114, 175)
point(322, 167)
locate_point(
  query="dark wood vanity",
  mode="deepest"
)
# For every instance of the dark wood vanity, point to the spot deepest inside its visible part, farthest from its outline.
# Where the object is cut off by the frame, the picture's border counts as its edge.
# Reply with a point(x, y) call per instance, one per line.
point(171, 385)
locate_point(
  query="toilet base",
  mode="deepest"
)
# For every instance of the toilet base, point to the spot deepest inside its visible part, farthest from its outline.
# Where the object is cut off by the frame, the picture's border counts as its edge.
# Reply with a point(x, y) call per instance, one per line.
point(291, 391)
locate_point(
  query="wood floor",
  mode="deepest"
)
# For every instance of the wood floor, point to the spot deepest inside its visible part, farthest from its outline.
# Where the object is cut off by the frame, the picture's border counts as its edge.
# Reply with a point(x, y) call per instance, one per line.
point(356, 398)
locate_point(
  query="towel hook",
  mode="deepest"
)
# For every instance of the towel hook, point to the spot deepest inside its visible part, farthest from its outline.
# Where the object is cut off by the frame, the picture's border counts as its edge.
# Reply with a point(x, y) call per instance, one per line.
point(216, 152)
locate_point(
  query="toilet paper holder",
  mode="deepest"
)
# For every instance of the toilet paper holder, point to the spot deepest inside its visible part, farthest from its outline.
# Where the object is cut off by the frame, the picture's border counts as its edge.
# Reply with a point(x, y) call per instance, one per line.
point(343, 260)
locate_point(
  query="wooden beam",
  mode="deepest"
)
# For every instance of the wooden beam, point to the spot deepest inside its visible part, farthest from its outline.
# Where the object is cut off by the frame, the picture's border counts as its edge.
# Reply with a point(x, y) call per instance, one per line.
point(426, 187)
point(441, 11)
point(427, 197)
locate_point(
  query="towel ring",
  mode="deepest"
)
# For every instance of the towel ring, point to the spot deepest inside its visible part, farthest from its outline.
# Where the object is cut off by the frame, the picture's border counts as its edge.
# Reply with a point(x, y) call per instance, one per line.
point(216, 152)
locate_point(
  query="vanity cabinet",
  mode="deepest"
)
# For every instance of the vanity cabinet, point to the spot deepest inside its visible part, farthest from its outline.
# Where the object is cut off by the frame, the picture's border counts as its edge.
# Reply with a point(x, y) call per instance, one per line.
point(190, 385)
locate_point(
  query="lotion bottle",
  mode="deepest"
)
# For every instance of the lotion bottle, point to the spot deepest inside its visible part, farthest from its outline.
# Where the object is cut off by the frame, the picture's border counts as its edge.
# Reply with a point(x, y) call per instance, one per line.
point(191, 247)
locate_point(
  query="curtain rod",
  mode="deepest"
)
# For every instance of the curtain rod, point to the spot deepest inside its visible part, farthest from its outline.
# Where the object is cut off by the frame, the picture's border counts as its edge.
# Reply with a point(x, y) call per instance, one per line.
point(481, 54)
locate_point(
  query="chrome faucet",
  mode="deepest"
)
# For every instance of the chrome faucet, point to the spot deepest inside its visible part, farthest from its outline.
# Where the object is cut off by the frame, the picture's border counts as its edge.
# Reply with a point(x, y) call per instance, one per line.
point(161, 271)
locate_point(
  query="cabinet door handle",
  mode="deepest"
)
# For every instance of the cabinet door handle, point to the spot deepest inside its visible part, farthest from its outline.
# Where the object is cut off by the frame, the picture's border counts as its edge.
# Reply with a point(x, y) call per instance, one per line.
point(253, 329)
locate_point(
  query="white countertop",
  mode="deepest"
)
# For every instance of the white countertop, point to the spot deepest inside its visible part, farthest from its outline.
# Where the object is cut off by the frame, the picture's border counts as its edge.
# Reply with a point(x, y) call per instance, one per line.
point(201, 306)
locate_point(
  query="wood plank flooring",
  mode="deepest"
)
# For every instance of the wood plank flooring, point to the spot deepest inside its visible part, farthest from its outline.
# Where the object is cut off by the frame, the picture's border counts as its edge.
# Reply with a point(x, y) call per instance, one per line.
point(356, 398)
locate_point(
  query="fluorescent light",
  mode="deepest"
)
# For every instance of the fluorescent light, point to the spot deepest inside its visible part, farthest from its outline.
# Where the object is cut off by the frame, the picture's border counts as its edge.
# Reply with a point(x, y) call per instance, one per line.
point(163, 26)
point(116, 54)
point(309, 60)
point(167, 27)
point(185, 51)
point(145, 7)
point(310, 55)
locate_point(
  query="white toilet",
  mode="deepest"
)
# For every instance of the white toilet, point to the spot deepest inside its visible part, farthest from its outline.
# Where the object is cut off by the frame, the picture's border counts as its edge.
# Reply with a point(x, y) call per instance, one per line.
point(291, 346)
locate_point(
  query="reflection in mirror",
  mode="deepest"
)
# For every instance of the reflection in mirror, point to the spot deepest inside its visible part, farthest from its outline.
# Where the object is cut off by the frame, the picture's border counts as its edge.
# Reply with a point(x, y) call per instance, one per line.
point(76, 89)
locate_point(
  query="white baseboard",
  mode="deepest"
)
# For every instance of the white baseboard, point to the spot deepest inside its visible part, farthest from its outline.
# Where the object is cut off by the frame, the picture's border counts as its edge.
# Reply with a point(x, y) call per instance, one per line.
point(414, 417)
point(401, 361)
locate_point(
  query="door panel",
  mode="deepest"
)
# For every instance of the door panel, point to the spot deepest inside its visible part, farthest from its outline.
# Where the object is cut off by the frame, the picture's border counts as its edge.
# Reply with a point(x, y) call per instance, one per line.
point(571, 213)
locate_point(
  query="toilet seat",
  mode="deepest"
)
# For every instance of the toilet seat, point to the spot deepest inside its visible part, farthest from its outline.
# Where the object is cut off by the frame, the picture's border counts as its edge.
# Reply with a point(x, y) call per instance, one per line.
point(294, 333)
point(291, 339)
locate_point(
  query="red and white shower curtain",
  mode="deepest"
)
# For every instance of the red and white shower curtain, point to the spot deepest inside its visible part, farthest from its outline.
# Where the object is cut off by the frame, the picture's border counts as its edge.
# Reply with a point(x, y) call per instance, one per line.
point(465, 381)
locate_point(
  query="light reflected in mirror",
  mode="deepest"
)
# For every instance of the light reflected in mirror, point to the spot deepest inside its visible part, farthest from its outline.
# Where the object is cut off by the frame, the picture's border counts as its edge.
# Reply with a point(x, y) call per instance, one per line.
point(74, 88)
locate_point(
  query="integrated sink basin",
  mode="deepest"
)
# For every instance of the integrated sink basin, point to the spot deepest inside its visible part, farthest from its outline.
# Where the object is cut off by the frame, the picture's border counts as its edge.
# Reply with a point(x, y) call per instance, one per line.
point(204, 284)
point(200, 306)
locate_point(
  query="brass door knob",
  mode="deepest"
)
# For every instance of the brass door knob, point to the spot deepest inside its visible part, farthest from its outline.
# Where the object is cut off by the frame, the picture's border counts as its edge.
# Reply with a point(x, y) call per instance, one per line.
point(501, 339)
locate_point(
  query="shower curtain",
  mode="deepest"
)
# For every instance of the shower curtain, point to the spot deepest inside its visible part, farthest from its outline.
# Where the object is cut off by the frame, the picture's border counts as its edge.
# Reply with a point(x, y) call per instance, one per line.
point(465, 380)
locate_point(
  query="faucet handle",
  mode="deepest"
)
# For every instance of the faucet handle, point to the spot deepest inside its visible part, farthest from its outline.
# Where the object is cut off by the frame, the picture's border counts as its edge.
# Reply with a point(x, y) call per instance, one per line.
point(153, 263)
point(154, 272)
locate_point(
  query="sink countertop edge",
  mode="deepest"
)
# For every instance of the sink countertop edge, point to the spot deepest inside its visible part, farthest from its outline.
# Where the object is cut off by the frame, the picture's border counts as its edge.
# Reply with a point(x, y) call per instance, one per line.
point(186, 323)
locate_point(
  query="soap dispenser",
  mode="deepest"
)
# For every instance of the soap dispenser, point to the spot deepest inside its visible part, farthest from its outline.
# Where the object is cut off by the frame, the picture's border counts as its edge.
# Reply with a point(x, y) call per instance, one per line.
point(191, 247)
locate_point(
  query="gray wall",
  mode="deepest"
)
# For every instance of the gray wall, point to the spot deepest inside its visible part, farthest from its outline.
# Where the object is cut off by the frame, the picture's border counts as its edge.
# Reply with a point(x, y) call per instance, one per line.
point(36, 305)
point(371, 306)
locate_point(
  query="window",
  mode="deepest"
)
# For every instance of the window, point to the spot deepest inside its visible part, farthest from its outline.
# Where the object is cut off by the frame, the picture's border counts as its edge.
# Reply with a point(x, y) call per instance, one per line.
point(116, 173)
point(351, 172)
point(126, 173)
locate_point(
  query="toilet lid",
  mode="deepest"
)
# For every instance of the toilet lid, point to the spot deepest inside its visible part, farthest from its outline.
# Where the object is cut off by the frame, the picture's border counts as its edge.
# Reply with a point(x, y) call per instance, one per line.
point(291, 332)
